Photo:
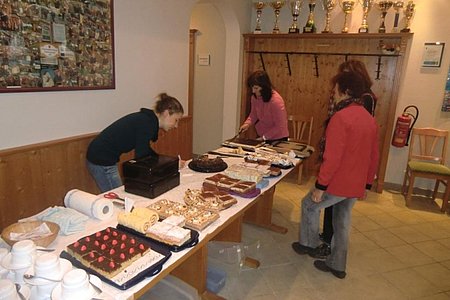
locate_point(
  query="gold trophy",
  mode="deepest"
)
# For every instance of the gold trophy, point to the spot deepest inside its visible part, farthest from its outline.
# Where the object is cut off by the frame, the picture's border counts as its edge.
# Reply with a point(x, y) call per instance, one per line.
point(276, 5)
point(259, 6)
point(296, 6)
point(347, 6)
point(310, 27)
point(398, 5)
point(366, 6)
point(384, 6)
point(409, 12)
point(328, 6)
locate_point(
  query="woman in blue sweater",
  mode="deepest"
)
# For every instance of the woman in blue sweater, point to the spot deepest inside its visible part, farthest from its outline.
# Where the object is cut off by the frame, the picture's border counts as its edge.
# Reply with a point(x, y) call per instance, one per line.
point(131, 132)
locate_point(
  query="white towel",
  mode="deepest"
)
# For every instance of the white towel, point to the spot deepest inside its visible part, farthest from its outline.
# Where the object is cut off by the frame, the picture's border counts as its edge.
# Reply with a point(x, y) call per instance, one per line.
point(69, 220)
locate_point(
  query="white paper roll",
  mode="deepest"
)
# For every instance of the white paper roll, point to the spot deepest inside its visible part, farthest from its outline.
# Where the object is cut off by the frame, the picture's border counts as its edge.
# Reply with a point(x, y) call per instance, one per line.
point(91, 205)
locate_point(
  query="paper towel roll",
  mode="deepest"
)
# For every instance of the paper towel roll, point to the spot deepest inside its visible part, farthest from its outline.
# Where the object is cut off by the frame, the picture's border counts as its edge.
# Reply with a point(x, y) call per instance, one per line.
point(91, 205)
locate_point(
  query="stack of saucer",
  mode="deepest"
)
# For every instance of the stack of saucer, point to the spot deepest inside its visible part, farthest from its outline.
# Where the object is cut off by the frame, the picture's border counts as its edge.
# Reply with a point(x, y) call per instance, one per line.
point(8, 291)
point(47, 270)
point(76, 285)
point(21, 257)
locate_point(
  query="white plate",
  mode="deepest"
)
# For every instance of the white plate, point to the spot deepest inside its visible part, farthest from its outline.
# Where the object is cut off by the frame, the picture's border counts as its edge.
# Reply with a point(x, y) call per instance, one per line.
point(91, 293)
point(7, 264)
point(66, 266)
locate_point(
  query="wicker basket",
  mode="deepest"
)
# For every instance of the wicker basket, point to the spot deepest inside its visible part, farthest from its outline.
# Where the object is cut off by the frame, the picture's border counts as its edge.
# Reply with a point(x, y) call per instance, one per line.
point(22, 227)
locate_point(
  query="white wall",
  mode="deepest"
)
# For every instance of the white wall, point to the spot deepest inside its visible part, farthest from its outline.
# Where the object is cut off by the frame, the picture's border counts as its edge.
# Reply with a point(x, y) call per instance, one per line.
point(152, 46)
point(421, 87)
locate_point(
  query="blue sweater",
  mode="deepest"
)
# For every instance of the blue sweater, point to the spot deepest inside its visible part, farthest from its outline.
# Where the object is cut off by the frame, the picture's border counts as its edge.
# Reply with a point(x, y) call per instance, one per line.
point(133, 131)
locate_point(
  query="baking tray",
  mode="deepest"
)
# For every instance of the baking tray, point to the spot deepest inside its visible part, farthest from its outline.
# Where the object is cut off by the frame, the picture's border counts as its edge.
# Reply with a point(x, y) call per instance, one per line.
point(174, 248)
point(149, 272)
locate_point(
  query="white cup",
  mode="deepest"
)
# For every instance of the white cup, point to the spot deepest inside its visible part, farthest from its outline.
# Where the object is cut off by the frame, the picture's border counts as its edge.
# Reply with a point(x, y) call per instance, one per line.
point(3, 272)
point(17, 275)
point(47, 265)
point(75, 284)
point(23, 252)
point(45, 291)
point(8, 290)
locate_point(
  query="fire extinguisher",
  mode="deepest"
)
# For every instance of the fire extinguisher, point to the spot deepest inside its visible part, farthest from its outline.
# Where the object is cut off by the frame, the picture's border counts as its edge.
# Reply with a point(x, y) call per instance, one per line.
point(403, 127)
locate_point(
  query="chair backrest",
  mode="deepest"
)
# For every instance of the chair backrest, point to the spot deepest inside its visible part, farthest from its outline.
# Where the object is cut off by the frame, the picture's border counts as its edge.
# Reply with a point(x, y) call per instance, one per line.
point(429, 145)
point(301, 127)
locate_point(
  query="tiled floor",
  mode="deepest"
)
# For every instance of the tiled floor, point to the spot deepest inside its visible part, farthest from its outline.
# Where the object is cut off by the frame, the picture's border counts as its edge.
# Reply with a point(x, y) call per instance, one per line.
point(394, 253)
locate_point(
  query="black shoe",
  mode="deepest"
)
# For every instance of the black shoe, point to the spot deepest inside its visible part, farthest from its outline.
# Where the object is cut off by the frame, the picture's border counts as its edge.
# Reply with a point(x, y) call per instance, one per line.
point(300, 249)
point(322, 266)
point(321, 251)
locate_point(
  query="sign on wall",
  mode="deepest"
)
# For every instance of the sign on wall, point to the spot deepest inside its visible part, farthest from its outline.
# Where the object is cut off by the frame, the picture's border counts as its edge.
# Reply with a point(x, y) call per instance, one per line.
point(56, 45)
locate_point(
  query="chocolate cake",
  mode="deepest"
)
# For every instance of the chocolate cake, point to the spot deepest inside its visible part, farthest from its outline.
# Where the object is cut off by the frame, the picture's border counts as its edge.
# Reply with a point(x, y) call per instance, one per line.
point(108, 251)
point(207, 165)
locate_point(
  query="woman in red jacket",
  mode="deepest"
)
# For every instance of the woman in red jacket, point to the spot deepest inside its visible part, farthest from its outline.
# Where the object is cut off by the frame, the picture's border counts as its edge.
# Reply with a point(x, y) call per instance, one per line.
point(349, 166)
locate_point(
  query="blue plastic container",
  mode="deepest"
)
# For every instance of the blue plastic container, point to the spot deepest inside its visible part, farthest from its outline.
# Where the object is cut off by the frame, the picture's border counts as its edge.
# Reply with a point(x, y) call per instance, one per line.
point(215, 279)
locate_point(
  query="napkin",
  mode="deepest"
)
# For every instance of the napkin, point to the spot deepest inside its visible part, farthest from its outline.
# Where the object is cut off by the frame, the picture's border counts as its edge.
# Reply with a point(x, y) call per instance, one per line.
point(69, 220)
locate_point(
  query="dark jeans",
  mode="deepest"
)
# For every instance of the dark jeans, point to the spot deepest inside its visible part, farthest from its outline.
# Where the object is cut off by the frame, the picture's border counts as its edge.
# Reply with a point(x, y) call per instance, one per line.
point(327, 228)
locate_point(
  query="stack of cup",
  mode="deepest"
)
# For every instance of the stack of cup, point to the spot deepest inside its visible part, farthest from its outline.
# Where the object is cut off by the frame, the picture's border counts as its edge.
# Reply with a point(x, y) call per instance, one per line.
point(48, 270)
point(8, 290)
point(3, 271)
point(75, 286)
point(21, 257)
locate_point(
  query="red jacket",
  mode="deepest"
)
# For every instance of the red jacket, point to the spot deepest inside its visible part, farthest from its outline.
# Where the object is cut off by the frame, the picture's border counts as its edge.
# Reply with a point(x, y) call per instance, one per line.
point(351, 153)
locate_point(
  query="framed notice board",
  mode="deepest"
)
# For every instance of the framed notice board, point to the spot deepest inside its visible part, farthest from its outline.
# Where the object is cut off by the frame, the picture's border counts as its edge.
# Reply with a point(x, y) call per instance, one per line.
point(52, 45)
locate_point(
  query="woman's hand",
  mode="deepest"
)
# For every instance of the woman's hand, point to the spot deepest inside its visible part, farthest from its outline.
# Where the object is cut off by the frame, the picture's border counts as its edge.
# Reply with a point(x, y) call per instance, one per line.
point(244, 128)
point(317, 195)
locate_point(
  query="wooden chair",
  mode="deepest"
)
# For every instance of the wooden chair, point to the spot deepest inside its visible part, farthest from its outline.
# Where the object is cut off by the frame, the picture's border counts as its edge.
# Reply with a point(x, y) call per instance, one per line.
point(301, 130)
point(426, 159)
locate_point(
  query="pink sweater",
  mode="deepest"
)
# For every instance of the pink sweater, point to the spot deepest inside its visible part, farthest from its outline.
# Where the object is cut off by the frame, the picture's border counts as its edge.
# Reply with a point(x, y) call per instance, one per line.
point(270, 117)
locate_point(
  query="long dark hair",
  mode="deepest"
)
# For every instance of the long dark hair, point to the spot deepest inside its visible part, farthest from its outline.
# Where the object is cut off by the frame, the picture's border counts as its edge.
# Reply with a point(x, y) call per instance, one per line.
point(261, 78)
point(169, 103)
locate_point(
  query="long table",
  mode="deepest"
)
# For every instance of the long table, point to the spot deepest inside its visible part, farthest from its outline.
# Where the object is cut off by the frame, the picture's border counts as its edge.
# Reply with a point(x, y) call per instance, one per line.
point(190, 264)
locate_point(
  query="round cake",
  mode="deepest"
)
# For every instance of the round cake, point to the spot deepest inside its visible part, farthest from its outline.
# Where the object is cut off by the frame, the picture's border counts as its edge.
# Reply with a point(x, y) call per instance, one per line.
point(205, 164)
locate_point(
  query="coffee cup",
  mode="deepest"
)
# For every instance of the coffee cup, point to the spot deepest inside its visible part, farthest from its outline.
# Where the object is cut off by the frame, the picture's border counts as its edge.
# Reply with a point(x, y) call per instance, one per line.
point(48, 265)
point(8, 290)
point(3, 272)
point(75, 285)
point(23, 253)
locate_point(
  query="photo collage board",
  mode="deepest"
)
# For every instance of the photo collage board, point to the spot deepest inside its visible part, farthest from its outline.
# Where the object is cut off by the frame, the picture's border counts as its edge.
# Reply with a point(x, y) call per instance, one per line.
point(56, 45)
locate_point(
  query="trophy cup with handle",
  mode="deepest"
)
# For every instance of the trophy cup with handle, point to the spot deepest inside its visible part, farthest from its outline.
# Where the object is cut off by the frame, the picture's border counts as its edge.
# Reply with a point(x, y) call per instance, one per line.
point(366, 6)
point(296, 6)
point(276, 5)
point(409, 12)
point(398, 5)
point(384, 6)
point(310, 27)
point(347, 6)
point(259, 6)
point(328, 6)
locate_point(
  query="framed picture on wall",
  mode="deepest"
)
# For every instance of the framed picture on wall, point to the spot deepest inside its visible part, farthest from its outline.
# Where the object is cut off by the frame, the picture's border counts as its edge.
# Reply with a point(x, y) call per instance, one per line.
point(432, 54)
point(56, 45)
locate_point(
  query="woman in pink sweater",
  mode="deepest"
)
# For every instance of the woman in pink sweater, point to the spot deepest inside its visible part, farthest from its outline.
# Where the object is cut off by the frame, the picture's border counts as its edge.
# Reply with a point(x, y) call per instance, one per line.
point(268, 112)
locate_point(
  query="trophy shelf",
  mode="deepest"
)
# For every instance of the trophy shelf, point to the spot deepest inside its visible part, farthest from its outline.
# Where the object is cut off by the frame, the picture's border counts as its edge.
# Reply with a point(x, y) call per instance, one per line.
point(301, 66)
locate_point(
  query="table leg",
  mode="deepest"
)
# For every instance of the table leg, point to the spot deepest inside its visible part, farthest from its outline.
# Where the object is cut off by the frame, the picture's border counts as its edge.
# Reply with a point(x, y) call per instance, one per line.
point(260, 213)
point(193, 269)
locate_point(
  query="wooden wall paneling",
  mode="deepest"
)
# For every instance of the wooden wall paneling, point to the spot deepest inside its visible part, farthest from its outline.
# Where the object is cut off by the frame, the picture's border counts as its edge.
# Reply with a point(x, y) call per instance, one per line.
point(307, 92)
point(21, 186)
point(37, 176)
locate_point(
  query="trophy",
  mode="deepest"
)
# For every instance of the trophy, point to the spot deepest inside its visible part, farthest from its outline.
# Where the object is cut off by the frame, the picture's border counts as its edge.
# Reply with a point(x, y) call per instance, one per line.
point(276, 5)
point(384, 6)
point(295, 9)
point(310, 27)
point(398, 5)
point(347, 6)
point(328, 6)
point(366, 6)
point(259, 6)
point(409, 12)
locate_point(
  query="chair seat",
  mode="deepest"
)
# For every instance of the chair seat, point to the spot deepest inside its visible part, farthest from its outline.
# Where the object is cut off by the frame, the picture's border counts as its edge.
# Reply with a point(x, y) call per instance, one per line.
point(420, 166)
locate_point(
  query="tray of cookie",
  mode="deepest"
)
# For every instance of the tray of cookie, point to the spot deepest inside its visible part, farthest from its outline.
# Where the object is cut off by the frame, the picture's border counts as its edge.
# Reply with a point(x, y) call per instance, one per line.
point(119, 258)
point(195, 217)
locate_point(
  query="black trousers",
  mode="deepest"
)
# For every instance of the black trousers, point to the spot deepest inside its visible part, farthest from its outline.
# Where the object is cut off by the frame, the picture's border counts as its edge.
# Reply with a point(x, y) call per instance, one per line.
point(327, 229)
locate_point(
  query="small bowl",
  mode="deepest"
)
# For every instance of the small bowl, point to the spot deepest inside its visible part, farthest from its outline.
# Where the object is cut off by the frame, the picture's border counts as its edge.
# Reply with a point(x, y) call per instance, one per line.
point(22, 227)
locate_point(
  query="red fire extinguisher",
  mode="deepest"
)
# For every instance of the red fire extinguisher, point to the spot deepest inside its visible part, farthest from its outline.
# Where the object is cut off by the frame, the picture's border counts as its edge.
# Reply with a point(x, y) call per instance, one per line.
point(403, 127)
